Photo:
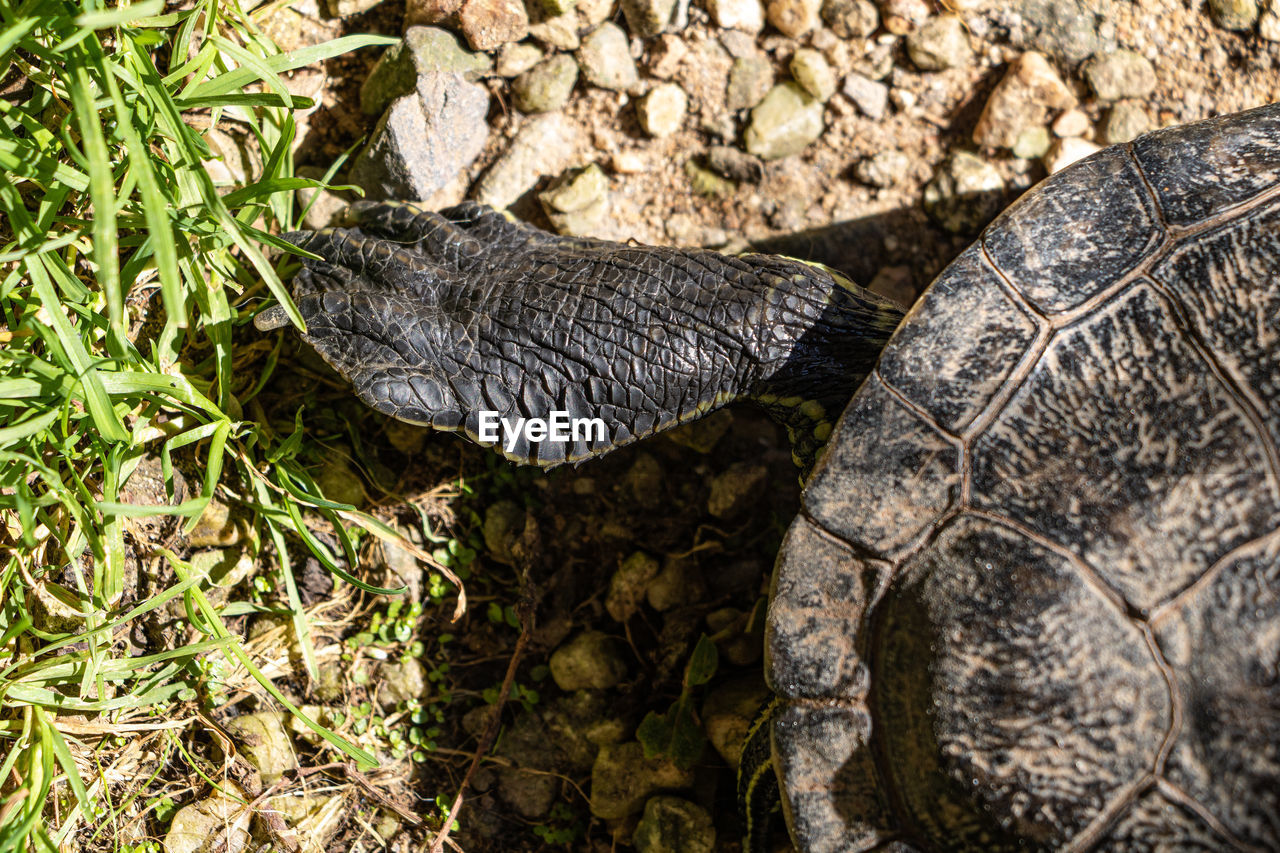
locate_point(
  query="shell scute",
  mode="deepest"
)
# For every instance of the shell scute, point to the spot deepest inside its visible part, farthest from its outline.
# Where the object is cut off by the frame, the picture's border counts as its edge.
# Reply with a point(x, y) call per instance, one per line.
point(1123, 448)
point(1040, 705)
point(1201, 169)
point(886, 475)
point(1077, 234)
point(1223, 644)
point(959, 343)
point(814, 638)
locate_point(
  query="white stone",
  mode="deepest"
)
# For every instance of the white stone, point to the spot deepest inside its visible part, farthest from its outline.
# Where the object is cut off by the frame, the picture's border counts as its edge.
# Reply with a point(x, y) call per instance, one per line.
point(1064, 152)
point(661, 112)
point(745, 15)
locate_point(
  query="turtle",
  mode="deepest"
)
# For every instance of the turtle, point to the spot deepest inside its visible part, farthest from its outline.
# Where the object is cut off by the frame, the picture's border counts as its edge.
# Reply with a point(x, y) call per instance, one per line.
point(1032, 596)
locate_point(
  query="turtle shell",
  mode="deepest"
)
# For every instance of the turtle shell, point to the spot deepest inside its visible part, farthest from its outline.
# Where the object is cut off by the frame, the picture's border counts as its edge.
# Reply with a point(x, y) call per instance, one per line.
point(1033, 598)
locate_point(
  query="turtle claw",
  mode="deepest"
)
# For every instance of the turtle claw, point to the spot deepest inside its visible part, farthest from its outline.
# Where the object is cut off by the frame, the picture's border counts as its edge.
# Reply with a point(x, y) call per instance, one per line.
point(407, 224)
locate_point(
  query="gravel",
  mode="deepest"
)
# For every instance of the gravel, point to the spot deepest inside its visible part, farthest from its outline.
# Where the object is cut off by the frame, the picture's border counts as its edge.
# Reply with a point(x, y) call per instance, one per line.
point(1126, 120)
point(747, 15)
point(577, 201)
point(812, 71)
point(939, 44)
point(1120, 74)
point(674, 825)
point(426, 140)
point(544, 146)
point(647, 18)
point(792, 18)
point(871, 97)
point(851, 19)
point(750, 79)
point(605, 57)
point(784, 123)
point(1064, 152)
point(547, 85)
point(882, 169)
point(662, 111)
point(965, 193)
point(1234, 14)
point(488, 24)
point(1022, 101)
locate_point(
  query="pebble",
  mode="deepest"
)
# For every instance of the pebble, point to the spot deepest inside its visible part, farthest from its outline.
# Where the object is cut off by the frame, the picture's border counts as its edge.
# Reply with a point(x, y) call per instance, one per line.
point(265, 743)
point(674, 825)
point(417, 12)
point(577, 201)
point(219, 527)
point(1071, 123)
point(1067, 29)
point(750, 79)
point(666, 53)
point(739, 485)
point(678, 583)
point(707, 184)
point(877, 64)
point(903, 16)
point(219, 822)
point(517, 58)
point(883, 168)
point(784, 123)
point(1022, 100)
point(425, 140)
point(812, 71)
point(590, 661)
point(747, 15)
point(546, 145)
point(965, 193)
point(1064, 152)
point(940, 44)
point(555, 8)
point(871, 97)
point(1120, 74)
point(735, 165)
point(605, 57)
point(1269, 23)
point(661, 112)
point(792, 18)
point(628, 585)
point(423, 50)
point(489, 24)
point(728, 713)
point(531, 795)
point(647, 18)
point(403, 680)
point(1234, 14)
point(547, 85)
point(851, 19)
point(1126, 120)
point(504, 523)
point(343, 8)
point(559, 31)
point(1031, 144)
point(622, 780)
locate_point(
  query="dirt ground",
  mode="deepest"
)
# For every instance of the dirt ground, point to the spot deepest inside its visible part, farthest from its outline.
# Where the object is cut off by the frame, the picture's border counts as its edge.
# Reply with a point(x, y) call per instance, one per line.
point(709, 504)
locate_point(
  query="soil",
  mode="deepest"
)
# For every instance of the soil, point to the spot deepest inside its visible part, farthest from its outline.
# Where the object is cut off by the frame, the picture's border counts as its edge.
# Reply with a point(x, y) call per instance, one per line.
point(581, 524)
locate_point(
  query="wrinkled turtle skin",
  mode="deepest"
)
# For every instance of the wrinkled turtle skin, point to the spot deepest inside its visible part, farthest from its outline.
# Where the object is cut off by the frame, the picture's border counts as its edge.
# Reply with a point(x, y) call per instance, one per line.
point(1032, 600)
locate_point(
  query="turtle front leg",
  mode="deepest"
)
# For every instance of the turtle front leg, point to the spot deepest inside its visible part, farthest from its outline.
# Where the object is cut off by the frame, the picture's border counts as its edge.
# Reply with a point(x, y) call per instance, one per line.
point(463, 318)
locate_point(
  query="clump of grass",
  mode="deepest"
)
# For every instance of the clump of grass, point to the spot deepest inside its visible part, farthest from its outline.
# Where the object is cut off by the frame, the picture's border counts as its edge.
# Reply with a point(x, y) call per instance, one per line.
point(109, 217)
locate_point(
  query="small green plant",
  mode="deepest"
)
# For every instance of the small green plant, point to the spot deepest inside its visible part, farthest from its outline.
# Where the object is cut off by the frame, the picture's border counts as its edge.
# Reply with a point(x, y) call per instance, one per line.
point(564, 826)
point(677, 734)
